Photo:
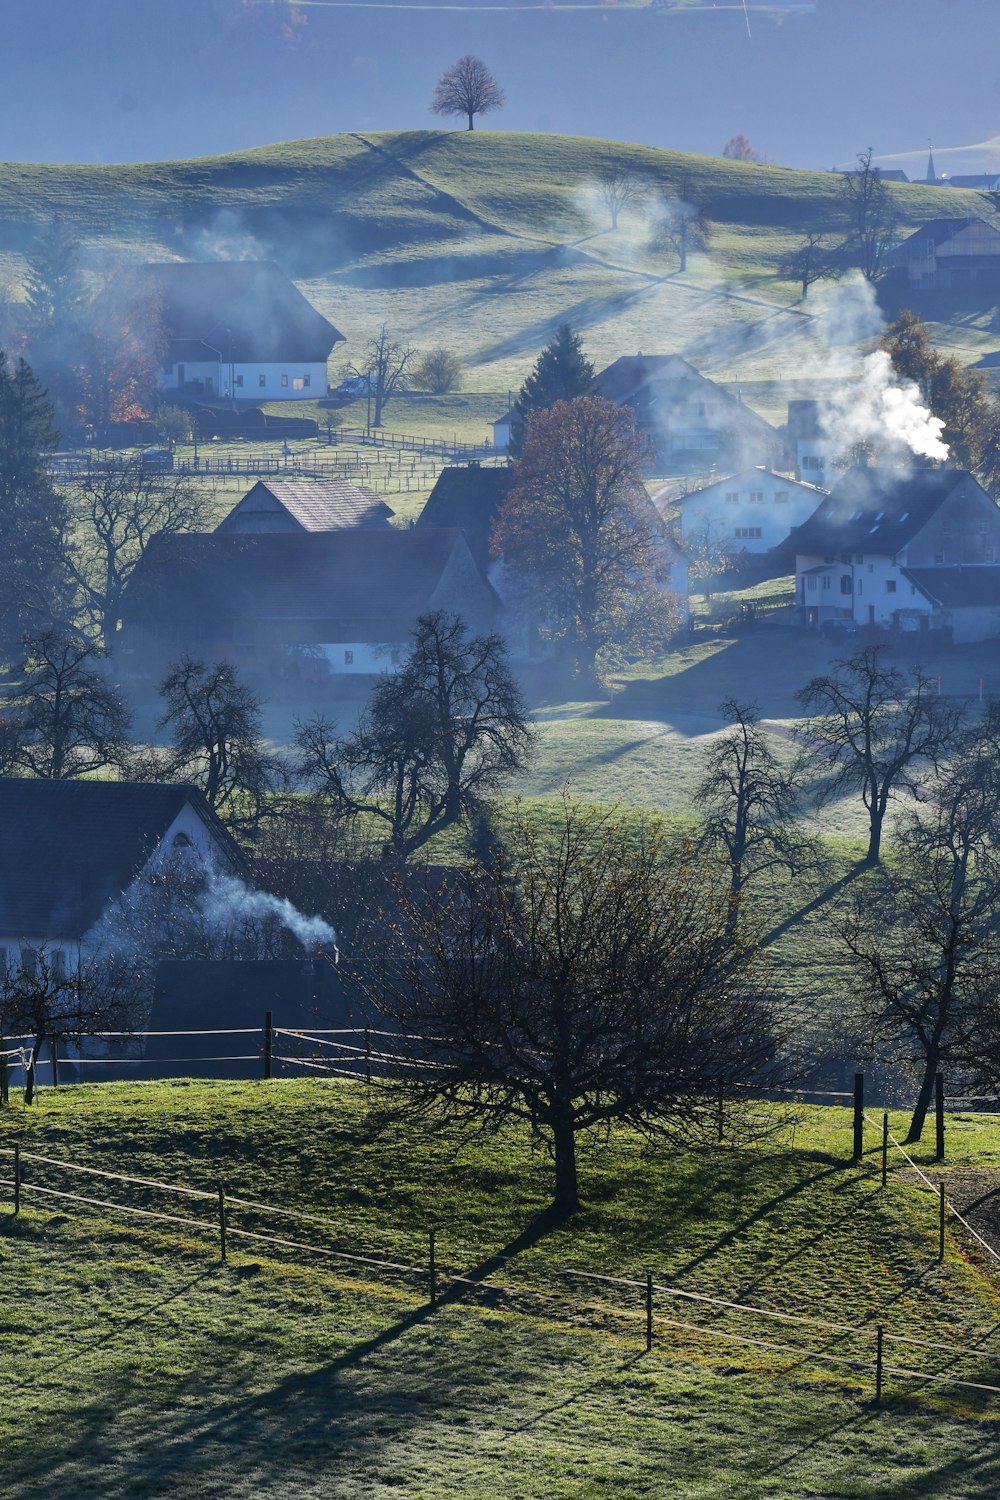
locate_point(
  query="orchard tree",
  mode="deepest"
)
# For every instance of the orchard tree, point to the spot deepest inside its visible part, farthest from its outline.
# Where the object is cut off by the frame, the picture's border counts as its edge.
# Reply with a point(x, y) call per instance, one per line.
point(750, 803)
point(872, 217)
point(618, 186)
point(384, 370)
point(114, 512)
point(875, 728)
point(811, 261)
point(440, 734)
point(561, 373)
point(585, 975)
point(65, 718)
point(680, 224)
point(439, 371)
point(740, 148)
point(956, 394)
point(214, 721)
point(580, 536)
point(467, 88)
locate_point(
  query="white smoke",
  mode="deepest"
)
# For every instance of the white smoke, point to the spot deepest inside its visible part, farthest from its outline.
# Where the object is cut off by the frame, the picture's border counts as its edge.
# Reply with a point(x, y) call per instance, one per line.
point(870, 404)
point(226, 237)
point(227, 901)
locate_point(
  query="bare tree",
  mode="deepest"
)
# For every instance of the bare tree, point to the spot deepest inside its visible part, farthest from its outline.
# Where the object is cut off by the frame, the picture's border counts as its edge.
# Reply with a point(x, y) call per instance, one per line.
point(385, 367)
point(680, 224)
point(467, 88)
point(216, 739)
point(874, 727)
point(45, 998)
point(64, 719)
point(740, 148)
point(811, 261)
point(114, 512)
point(619, 186)
point(924, 937)
point(751, 805)
point(584, 975)
point(440, 734)
point(439, 371)
point(872, 215)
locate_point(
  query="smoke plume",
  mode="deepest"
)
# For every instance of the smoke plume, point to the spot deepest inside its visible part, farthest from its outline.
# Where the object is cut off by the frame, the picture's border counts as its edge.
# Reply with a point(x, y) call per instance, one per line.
point(227, 901)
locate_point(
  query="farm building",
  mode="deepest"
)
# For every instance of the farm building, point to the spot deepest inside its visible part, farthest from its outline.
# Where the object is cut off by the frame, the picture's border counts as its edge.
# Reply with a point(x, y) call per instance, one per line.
point(903, 549)
point(299, 605)
point(951, 253)
point(747, 513)
point(297, 505)
point(238, 330)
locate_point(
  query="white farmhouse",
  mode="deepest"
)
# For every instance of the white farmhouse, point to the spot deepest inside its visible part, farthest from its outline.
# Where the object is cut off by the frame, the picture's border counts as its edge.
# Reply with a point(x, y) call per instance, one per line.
point(752, 512)
point(239, 331)
point(68, 849)
point(902, 549)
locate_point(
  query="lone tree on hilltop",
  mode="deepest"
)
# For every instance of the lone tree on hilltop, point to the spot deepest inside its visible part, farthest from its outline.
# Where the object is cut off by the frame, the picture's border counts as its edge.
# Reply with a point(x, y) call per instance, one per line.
point(580, 534)
point(582, 975)
point(440, 734)
point(874, 727)
point(872, 217)
point(740, 148)
point(562, 372)
point(467, 88)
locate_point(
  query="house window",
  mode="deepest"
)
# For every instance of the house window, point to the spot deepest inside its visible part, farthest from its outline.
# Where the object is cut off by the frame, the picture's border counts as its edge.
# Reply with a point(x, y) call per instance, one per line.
point(747, 531)
point(307, 380)
point(284, 380)
point(810, 583)
point(348, 658)
point(732, 497)
point(826, 580)
point(239, 380)
point(861, 585)
point(890, 585)
point(756, 497)
point(262, 380)
point(58, 964)
point(939, 557)
point(181, 841)
point(990, 554)
point(298, 382)
point(846, 584)
point(780, 496)
point(29, 962)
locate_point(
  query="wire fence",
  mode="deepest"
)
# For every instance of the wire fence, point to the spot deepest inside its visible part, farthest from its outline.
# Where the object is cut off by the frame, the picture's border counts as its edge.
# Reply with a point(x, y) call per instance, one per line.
point(639, 1308)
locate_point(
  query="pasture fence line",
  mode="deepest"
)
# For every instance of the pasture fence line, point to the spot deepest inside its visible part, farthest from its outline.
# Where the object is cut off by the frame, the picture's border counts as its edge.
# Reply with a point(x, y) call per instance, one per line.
point(638, 1300)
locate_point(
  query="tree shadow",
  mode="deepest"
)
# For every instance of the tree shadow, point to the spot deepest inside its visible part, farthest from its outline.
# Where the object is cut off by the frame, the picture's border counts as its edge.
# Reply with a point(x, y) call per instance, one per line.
point(823, 899)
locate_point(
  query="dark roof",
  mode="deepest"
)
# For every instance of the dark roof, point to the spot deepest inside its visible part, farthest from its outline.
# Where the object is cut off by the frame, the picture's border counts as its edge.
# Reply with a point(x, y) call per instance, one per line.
point(68, 847)
point(757, 472)
point(892, 174)
point(974, 180)
point(377, 579)
point(958, 588)
point(469, 497)
point(315, 504)
point(630, 372)
point(874, 510)
point(243, 310)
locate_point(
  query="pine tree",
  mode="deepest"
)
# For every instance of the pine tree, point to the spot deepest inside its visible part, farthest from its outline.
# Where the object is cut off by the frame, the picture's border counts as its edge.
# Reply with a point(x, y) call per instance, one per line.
point(562, 372)
point(54, 281)
point(32, 514)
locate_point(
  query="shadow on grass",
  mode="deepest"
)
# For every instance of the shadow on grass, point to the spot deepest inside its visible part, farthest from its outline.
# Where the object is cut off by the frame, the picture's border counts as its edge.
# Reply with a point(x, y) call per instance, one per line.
point(824, 897)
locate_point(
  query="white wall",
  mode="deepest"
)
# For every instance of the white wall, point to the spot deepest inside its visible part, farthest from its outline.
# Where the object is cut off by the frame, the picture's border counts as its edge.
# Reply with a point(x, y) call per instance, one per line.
point(282, 382)
point(714, 514)
point(347, 657)
point(870, 590)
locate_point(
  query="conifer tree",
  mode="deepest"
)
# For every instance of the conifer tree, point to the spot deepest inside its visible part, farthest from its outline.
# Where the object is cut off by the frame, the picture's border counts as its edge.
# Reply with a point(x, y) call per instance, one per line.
point(562, 372)
point(32, 514)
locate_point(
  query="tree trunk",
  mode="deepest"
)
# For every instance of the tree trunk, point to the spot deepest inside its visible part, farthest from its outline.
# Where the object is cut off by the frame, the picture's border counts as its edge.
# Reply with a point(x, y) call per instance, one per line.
point(471, 126)
point(29, 1080)
point(874, 854)
point(924, 1093)
point(567, 1198)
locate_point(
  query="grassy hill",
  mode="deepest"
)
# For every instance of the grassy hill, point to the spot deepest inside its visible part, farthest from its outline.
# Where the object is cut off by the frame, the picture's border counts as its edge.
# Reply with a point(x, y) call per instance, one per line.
point(483, 241)
point(135, 1365)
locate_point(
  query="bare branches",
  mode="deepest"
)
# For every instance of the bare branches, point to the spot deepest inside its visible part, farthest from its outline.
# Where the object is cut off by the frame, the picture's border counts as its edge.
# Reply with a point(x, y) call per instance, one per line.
point(872, 216)
point(618, 187)
point(384, 370)
point(65, 719)
point(467, 88)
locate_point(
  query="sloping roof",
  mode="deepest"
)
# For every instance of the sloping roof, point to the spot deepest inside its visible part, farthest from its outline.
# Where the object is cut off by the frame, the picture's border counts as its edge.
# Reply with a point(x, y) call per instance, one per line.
point(630, 372)
point(316, 504)
point(68, 847)
point(245, 311)
point(874, 510)
point(469, 497)
point(378, 579)
point(730, 481)
point(958, 588)
point(936, 230)
point(973, 180)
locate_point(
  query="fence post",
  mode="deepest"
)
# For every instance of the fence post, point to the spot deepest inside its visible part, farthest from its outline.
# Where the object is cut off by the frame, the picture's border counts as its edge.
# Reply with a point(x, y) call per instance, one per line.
point(859, 1116)
point(17, 1178)
point(268, 1044)
point(885, 1147)
point(939, 1116)
point(880, 1335)
point(721, 1112)
point(222, 1221)
point(368, 1055)
point(649, 1312)
point(4, 1092)
point(941, 1213)
point(432, 1244)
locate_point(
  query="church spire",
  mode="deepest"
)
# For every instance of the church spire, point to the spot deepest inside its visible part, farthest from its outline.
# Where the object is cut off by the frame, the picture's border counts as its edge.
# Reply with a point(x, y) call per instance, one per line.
point(931, 173)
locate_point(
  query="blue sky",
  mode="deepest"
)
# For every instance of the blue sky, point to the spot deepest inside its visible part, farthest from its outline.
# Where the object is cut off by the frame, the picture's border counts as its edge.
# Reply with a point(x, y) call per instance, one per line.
point(105, 80)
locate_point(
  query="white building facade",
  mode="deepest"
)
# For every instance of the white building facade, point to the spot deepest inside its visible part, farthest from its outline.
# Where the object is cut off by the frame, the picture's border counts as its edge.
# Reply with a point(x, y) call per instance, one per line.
point(752, 512)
